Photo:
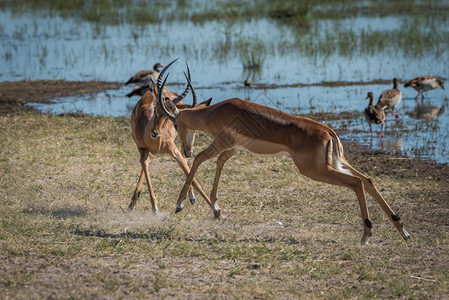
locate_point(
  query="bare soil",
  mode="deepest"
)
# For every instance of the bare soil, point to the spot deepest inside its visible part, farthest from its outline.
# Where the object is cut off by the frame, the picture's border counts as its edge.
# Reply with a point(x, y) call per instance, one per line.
point(14, 95)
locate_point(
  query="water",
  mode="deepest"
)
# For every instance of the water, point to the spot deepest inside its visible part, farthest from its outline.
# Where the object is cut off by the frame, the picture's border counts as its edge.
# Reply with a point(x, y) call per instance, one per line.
point(47, 46)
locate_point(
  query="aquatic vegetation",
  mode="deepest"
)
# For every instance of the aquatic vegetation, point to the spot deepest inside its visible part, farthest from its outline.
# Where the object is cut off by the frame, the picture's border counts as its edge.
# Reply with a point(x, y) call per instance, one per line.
point(252, 53)
point(298, 13)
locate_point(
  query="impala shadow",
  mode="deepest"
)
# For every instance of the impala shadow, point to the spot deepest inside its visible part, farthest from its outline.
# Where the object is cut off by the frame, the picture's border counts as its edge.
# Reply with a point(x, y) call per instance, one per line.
point(160, 235)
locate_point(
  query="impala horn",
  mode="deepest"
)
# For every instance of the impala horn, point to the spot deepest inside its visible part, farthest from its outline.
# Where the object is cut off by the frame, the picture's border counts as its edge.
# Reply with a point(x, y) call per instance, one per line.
point(186, 91)
point(161, 74)
point(195, 99)
point(161, 102)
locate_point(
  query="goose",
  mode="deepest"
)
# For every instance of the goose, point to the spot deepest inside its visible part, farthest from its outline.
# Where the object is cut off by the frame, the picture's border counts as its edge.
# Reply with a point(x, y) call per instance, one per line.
point(425, 83)
point(390, 99)
point(144, 76)
point(374, 114)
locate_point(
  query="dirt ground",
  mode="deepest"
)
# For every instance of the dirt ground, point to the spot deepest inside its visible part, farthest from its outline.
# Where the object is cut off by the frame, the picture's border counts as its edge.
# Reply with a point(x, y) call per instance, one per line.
point(14, 95)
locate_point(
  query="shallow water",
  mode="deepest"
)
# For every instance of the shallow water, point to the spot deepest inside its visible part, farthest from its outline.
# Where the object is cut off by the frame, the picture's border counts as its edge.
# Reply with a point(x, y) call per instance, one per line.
point(47, 46)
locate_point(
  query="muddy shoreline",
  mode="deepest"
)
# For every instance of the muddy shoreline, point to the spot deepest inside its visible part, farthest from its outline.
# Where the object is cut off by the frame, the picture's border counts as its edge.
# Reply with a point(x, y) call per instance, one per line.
point(15, 95)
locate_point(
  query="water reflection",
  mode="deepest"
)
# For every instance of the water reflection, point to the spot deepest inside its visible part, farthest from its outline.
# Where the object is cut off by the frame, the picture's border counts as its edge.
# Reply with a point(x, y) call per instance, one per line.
point(394, 144)
point(426, 112)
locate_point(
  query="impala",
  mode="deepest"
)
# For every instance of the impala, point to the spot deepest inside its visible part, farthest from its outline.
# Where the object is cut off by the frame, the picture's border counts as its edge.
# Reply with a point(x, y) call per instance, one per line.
point(143, 120)
point(237, 124)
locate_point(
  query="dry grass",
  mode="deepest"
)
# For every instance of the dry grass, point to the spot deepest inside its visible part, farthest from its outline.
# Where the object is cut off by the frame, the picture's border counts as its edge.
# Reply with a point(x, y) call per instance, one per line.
point(63, 233)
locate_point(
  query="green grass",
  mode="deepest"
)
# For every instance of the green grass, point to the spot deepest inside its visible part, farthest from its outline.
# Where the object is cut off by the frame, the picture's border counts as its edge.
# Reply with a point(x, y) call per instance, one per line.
point(65, 180)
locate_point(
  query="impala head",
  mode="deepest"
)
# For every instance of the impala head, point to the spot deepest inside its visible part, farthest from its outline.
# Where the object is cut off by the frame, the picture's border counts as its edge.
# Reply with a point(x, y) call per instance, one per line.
point(174, 113)
point(159, 119)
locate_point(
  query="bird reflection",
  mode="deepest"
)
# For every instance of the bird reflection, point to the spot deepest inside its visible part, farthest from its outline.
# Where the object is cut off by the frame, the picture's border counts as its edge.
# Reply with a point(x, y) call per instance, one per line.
point(395, 144)
point(426, 112)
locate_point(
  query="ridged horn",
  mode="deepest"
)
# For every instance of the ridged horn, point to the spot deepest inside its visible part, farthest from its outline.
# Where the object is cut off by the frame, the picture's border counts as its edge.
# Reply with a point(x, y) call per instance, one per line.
point(161, 74)
point(162, 104)
point(186, 91)
point(195, 99)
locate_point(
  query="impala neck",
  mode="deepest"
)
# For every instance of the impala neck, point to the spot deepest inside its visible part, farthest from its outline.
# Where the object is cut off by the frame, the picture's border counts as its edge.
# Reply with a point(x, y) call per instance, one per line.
point(193, 119)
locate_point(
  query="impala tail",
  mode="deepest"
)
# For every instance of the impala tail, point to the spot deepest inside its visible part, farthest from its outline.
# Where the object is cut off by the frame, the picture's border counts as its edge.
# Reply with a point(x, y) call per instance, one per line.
point(334, 153)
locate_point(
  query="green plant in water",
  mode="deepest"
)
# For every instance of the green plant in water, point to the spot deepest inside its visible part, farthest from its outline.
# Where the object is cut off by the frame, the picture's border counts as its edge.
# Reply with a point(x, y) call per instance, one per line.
point(252, 53)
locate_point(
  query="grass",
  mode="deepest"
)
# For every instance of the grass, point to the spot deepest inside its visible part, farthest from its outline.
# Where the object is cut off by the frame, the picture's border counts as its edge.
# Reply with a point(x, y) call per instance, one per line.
point(63, 233)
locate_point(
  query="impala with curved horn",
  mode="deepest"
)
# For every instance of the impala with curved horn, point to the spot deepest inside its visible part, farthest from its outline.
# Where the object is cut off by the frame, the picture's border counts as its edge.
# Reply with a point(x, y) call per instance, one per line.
point(143, 121)
point(315, 148)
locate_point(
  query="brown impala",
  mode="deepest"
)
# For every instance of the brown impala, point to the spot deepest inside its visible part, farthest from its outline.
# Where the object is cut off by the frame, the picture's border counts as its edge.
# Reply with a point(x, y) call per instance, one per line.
point(143, 120)
point(238, 124)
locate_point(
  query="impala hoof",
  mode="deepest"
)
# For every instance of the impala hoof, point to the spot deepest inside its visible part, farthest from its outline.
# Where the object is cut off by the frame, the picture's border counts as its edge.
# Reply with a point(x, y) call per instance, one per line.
point(192, 200)
point(218, 214)
point(405, 234)
point(131, 206)
point(364, 239)
point(179, 208)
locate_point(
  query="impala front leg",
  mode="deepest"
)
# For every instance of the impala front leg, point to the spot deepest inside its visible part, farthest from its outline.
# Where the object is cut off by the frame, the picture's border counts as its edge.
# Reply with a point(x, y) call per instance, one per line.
point(206, 154)
point(222, 159)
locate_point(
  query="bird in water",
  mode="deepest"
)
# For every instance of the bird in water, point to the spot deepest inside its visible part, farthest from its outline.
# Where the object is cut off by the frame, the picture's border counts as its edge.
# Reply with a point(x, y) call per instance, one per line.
point(144, 76)
point(374, 114)
point(390, 99)
point(425, 83)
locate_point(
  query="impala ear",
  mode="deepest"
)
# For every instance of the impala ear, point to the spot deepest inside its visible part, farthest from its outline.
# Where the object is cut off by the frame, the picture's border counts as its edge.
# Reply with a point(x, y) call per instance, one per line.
point(207, 102)
point(203, 104)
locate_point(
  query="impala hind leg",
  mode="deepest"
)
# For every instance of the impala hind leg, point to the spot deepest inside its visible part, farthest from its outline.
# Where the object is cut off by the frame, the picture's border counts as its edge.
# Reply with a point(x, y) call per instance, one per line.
point(329, 175)
point(372, 190)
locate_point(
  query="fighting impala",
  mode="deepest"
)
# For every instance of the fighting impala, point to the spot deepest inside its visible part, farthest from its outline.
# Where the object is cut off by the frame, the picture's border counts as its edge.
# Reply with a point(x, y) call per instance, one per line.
point(238, 124)
point(143, 120)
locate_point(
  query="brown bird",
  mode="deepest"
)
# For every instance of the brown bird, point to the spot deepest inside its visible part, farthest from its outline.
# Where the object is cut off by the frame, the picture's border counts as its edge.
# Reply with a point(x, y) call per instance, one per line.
point(140, 91)
point(144, 76)
point(374, 114)
point(425, 83)
point(390, 99)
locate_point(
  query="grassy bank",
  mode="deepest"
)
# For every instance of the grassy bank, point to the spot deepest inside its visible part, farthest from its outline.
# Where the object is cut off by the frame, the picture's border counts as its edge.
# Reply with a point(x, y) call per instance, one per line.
point(65, 180)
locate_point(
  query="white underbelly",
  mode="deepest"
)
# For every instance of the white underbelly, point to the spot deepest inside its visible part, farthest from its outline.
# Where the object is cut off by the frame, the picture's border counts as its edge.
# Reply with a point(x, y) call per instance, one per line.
point(261, 147)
